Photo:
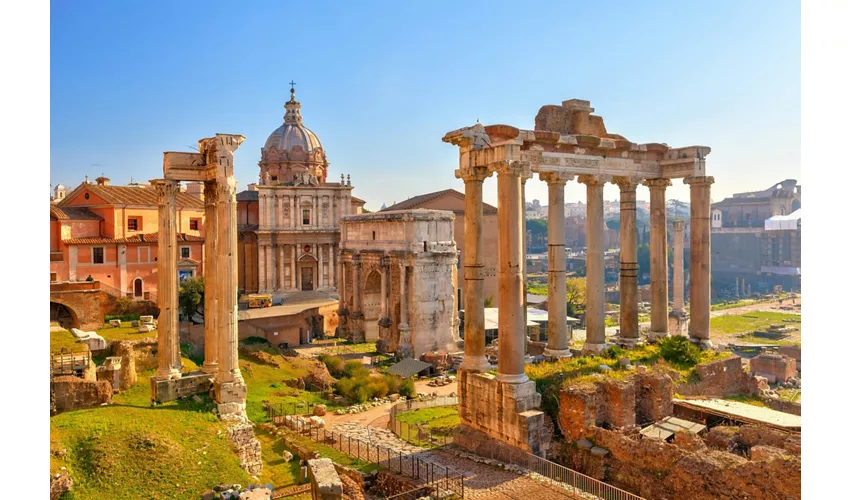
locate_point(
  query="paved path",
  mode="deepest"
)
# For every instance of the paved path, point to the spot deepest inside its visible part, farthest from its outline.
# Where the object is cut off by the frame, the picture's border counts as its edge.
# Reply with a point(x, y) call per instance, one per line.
point(483, 482)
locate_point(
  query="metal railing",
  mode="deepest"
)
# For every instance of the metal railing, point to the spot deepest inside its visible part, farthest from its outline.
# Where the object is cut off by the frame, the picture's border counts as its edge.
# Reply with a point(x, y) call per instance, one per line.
point(410, 465)
point(66, 362)
point(427, 491)
point(278, 411)
point(558, 473)
point(420, 435)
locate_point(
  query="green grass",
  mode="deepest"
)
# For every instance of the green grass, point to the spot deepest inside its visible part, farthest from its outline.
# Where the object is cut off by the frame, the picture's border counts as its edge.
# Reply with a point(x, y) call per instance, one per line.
point(328, 451)
point(63, 338)
point(742, 398)
point(748, 322)
point(731, 305)
point(789, 394)
point(276, 470)
point(441, 420)
point(346, 347)
point(124, 332)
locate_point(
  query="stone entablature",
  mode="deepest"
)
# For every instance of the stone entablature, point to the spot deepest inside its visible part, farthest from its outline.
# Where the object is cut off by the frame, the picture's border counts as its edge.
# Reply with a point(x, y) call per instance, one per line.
point(399, 281)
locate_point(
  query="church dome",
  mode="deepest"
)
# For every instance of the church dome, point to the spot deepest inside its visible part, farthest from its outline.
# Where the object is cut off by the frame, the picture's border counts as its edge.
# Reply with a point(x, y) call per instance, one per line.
point(292, 134)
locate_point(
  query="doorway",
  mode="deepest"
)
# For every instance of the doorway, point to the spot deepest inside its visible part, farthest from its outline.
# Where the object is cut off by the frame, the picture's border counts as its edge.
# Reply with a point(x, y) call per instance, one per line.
point(137, 288)
point(306, 278)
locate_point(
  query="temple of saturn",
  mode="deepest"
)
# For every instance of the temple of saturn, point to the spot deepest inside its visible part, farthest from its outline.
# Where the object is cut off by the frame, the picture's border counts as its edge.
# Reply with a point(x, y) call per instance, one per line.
point(567, 143)
point(212, 165)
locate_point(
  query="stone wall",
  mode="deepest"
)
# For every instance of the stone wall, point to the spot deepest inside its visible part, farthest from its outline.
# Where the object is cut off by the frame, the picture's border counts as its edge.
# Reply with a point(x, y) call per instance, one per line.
point(641, 398)
point(720, 378)
point(247, 447)
point(389, 483)
point(774, 367)
point(657, 469)
point(73, 393)
point(136, 356)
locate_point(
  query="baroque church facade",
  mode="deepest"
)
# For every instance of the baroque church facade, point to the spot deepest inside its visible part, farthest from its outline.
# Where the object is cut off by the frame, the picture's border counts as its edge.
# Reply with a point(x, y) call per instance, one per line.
point(289, 223)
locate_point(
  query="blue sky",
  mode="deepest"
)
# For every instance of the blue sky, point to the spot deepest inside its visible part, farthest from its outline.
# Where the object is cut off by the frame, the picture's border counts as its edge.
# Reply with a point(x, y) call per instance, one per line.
point(381, 82)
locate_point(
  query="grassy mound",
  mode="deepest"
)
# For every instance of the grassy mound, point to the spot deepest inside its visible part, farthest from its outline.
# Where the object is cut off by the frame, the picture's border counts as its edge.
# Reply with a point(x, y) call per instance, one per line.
point(441, 420)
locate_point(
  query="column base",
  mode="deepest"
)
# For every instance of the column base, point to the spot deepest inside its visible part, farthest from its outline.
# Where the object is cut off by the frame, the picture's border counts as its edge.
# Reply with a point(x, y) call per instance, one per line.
point(512, 378)
point(656, 336)
point(628, 342)
point(475, 364)
point(702, 343)
point(210, 368)
point(557, 353)
point(171, 374)
point(588, 347)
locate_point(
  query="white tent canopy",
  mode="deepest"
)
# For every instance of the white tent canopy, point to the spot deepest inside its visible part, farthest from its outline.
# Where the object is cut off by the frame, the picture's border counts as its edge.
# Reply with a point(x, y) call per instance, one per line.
point(780, 222)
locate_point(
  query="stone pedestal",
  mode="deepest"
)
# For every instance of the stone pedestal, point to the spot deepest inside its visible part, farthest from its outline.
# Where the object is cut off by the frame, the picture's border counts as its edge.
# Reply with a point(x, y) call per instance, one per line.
point(508, 412)
point(405, 346)
point(677, 323)
point(384, 343)
point(342, 328)
point(356, 332)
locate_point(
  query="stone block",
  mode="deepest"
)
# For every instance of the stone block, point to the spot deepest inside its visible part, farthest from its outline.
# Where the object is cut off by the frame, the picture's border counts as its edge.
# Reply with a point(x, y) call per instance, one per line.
point(584, 444)
point(116, 323)
point(324, 479)
point(187, 385)
point(599, 452)
point(781, 367)
point(792, 351)
point(768, 377)
point(146, 328)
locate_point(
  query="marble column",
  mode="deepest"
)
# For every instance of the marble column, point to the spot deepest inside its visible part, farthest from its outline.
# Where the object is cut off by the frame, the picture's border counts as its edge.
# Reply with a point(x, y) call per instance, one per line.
point(679, 267)
point(168, 336)
point(700, 268)
point(342, 296)
point(658, 256)
point(210, 277)
point(595, 226)
point(273, 262)
point(474, 341)
point(230, 388)
point(320, 279)
point(512, 335)
point(405, 346)
point(629, 326)
point(558, 345)
point(524, 176)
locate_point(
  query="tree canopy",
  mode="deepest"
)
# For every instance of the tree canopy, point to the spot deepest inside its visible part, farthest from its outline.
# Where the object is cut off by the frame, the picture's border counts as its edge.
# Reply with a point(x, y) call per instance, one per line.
point(191, 296)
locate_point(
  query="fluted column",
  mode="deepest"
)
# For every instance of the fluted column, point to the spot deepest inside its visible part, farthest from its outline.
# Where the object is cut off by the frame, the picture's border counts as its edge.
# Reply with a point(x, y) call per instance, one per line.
point(168, 338)
point(679, 267)
point(595, 227)
point(512, 334)
point(558, 345)
point(700, 269)
point(474, 341)
point(292, 266)
point(226, 283)
point(210, 278)
point(524, 176)
point(629, 326)
point(658, 256)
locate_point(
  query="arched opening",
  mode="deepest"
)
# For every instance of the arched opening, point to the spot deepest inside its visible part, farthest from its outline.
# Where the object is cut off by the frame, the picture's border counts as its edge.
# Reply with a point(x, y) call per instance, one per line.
point(372, 305)
point(307, 266)
point(137, 288)
point(64, 316)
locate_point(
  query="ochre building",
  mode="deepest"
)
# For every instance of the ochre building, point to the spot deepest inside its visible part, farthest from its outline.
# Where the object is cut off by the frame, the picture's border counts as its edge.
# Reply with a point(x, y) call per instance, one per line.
point(289, 222)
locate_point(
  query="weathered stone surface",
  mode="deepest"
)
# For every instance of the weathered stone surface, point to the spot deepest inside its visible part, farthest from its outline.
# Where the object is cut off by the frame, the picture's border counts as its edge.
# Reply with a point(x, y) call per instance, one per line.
point(247, 447)
point(72, 393)
point(324, 480)
point(320, 410)
point(775, 366)
point(60, 483)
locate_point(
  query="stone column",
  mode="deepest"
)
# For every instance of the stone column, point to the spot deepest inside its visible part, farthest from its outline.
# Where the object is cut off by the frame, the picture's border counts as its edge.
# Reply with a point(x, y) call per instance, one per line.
point(558, 345)
point(595, 227)
point(700, 268)
point(385, 262)
point(384, 343)
point(342, 297)
point(629, 326)
point(230, 388)
point(281, 273)
point(355, 291)
point(679, 266)
point(658, 256)
point(315, 220)
point(293, 217)
point(291, 266)
point(168, 337)
point(405, 347)
point(331, 260)
point(524, 176)
point(512, 334)
point(474, 341)
point(320, 279)
point(210, 278)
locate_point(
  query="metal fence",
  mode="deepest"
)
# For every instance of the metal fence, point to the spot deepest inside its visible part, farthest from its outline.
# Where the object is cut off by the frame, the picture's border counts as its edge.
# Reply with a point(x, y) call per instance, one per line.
point(420, 435)
point(427, 491)
point(410, 465)
point(558, 473)
point(278, 411)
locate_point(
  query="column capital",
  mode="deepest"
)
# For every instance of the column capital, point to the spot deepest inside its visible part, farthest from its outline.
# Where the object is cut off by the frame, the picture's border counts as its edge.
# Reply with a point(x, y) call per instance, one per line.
point(355, 260)
point(705, 180)
point(166, 189)
point(473, 174)
point(385, 261)
point(657, 183)
point(594, 179)
point(627, 183)
point(678, 225)
point(510, 168)
point(555, 177)
point(226, 189)
point(210, 193)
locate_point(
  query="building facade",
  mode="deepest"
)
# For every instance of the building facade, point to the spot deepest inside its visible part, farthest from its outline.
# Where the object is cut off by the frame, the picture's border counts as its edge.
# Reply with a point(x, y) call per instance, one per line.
point(109, 233)
point(289, 223)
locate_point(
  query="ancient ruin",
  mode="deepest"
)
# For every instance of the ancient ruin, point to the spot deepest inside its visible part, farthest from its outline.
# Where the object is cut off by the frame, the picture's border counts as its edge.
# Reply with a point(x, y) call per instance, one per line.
point(395, 288)
point(567, 142)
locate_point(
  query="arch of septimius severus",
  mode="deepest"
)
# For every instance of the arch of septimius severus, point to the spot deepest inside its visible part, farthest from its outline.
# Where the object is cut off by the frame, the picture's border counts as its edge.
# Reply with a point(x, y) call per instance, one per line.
point(568, 143)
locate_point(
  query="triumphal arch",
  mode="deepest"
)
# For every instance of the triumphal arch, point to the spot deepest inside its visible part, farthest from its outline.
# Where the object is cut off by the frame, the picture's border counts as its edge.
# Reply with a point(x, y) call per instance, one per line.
point(568, 143)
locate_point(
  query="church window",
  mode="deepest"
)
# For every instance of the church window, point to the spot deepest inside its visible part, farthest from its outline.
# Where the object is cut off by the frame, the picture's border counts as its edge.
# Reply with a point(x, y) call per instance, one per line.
point(97, 255)
point(305, 217)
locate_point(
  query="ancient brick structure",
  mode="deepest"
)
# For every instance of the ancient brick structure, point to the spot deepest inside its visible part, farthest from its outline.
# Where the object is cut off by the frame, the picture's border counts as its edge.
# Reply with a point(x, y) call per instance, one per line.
point(774, 367)
point(78, 305)
point(325, 483)
point(73, 393)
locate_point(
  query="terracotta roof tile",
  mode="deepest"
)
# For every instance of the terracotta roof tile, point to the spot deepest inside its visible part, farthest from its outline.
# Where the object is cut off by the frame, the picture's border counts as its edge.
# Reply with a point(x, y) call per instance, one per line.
point(72, 213)
point(139, 238)
point(124, 195)
point(418, 201)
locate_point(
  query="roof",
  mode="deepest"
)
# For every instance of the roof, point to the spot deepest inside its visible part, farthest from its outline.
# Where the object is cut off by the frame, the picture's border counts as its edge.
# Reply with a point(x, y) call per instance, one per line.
point(743, 412)
point(124, 195)
point(358, 200)
point(248, 195)
point(780, 222)
point(418, 201)
point(409, 367)
point(665, 428)
point(138, 238)
point(535, 299)
point(72, 213)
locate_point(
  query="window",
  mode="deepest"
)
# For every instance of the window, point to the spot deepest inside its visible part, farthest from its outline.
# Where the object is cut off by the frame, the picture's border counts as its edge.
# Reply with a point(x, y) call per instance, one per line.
point(133, 224)
point(305, 217)
point(184, 252)
point(194, 224)
point(97, 255)
point(53, 278)
point(274, 177)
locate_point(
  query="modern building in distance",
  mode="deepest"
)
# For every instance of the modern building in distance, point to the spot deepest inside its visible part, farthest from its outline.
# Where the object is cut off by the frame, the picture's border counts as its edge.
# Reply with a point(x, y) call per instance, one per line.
point(109, 233)
point(755, 241)
point(289, 229)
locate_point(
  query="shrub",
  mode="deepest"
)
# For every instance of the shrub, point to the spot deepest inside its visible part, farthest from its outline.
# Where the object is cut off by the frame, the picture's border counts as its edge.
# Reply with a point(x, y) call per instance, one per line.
point(393, 383)
point(407, 388)
point(615, 352)
point(355, 369)
point(377, 387)
point(334, 363)
point(361, 395)
point(679, 350)
point(123, 306)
